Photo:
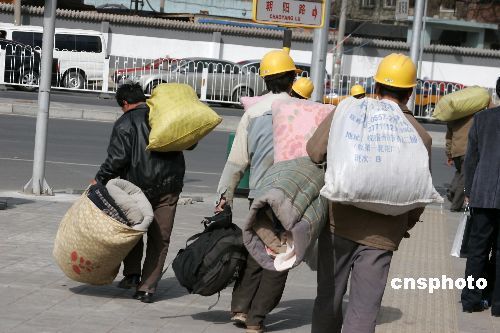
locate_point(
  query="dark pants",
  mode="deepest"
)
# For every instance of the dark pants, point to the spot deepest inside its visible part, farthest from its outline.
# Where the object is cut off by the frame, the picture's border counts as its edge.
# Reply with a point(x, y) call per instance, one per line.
point(484, 236)
point(258, 292)
point(368, 268)
point(456, 191)
point(157, 247)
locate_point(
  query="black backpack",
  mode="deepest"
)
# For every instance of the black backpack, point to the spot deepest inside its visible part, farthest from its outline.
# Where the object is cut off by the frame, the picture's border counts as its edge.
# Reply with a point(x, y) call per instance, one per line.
point(214, 258)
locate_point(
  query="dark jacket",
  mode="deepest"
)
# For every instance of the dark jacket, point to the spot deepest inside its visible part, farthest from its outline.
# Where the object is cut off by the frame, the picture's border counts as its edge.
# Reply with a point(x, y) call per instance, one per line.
point(154, 172)
point(482, 161)
point(383, 232)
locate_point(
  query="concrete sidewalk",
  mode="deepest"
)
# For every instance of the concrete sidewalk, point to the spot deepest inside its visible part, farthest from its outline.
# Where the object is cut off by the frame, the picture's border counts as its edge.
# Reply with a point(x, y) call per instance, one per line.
point(109, 114)
point(37, 297)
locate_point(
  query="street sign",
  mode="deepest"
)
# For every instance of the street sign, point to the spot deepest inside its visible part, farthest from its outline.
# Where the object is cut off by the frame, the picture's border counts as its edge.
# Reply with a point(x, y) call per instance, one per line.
point(402, 10)
point(290, 13)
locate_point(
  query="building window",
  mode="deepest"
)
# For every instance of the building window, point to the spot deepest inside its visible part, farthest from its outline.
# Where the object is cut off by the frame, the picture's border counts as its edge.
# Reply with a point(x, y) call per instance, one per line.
point(389, 3)
point(368, 3)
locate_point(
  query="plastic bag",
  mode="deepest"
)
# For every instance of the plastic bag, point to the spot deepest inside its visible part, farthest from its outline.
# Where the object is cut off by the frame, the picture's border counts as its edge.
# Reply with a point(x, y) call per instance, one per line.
point(459, 247)
point(177, 118)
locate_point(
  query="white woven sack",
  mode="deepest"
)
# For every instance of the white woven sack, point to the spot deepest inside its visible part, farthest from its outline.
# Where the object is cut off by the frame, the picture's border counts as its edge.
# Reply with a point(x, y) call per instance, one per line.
point(376, 159)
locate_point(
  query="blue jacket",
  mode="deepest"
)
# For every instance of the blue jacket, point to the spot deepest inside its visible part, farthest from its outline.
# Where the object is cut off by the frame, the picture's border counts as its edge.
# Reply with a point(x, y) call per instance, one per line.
point(482, 161)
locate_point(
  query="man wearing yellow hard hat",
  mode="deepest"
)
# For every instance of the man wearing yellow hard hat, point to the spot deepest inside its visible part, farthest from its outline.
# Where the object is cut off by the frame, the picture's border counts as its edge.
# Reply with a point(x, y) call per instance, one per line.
point(258, 290)
point(358, 241)
point(302, 88)
point(357, 91)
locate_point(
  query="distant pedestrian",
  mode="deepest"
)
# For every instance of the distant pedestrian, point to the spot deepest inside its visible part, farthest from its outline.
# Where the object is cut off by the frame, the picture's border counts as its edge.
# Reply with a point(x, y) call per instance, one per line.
point(259, 290)
point(482, 192)
point(302, 88)
point(358, 243)
point(159, 175)
point(357, 91)
point(456, 146)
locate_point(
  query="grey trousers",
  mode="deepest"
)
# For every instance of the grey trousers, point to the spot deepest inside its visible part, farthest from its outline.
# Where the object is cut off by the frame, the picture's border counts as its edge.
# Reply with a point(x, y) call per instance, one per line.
point(457, 194)
point(368, 268)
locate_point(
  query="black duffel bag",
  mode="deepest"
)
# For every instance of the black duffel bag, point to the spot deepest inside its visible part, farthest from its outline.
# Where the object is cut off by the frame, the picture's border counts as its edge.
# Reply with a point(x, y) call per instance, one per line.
point(213, 258)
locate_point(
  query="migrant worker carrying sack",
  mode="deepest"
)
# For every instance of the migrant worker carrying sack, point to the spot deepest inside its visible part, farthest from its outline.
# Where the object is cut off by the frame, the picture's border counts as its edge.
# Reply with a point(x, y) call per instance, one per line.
point(358, 241)
point(357, 91)
point(285, 219)
point(259, 290)
point(302, 88)
point(159, 175)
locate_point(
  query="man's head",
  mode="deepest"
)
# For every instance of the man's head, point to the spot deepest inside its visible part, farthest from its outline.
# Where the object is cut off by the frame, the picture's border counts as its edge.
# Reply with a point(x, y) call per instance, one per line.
point(357, 91)
point(302, 88)
point(396, 76)
point(129, 95)
point(278, 71)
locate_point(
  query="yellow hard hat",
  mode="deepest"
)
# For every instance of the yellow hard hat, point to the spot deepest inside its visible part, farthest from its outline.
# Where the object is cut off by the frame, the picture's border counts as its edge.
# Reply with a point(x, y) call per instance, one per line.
point(303, 87)
point(275, 62)
point(397, 70)
point(357, 90)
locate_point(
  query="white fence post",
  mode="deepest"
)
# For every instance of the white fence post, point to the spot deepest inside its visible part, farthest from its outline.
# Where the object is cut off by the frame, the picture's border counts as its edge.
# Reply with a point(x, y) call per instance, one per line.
point(105, 76)
point(2, 66)
point(204, 84)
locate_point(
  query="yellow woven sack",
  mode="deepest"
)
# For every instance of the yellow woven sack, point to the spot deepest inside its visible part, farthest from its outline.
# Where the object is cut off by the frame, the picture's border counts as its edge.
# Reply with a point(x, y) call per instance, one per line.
point(177, 118)
point(461, 103)
point(90, 246)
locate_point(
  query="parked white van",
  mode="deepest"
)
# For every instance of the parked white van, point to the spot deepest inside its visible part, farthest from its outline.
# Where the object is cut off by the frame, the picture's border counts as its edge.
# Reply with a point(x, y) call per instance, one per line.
point(81, 53)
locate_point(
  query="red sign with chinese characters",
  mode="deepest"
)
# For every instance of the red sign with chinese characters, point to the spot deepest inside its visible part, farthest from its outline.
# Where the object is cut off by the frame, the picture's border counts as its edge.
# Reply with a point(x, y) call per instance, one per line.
point(306, 13)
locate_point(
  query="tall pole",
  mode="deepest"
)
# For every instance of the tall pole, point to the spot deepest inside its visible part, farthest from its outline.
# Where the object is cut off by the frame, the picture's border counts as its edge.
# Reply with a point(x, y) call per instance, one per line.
point(17, 12)
point(415, 41)
point(339, 49)
point(162, 6)
point(37, 183)
point(318, 63)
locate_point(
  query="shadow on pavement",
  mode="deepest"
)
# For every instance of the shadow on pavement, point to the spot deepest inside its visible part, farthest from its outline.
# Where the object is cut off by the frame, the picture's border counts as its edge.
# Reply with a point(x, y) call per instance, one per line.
point(167, 289)
point(8, 202)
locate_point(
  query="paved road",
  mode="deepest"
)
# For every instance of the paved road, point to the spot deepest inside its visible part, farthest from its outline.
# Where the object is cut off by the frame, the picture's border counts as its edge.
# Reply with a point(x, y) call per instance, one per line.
point(76, 148)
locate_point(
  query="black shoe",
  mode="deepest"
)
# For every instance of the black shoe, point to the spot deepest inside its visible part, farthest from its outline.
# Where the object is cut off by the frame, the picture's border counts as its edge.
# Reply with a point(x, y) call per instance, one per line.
point(139, 294)
point(477, 308)
point(143, 296)
point(147, 298)
point(129, 281)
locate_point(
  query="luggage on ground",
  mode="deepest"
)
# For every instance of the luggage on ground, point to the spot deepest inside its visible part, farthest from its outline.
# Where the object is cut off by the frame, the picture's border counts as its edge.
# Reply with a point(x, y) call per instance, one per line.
point(213, 258)
point(177, 118)
point(462, 103)
point(90, 245)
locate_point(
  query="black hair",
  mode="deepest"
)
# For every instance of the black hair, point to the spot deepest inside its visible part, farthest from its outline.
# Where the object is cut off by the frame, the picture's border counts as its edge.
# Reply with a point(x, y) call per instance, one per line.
point(359, 96)
point(131, 93)
point(294, 94)
point(498, 87)
point(401, 94)
point(281, 82)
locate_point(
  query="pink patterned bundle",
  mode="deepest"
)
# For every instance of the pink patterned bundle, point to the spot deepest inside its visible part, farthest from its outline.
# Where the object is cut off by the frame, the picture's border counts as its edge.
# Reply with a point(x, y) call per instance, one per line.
point(294, 122)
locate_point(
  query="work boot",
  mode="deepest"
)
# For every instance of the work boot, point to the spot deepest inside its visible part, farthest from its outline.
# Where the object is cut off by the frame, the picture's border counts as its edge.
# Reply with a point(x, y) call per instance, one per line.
point(129, 281)
point(143, 296)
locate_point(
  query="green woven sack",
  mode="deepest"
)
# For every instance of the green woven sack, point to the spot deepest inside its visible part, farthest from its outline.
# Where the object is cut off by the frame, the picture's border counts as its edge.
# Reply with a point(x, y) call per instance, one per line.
point(461, 103)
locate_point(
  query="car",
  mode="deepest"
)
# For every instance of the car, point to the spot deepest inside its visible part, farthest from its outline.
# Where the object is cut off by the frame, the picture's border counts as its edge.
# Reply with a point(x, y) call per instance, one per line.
point(225, 81)
point(124, 74)
point(22, 66)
